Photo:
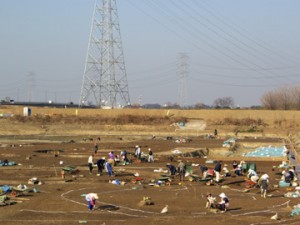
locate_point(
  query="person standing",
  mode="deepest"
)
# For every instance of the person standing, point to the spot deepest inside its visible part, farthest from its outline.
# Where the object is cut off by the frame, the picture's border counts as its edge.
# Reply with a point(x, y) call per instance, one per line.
point(123, 156)
point(111, 158)
point(91, 163)
point(216, 133)
point(218, 169)
point(181, 170)
point(109, 169)
point(150, 156)
point(100, 164)
point(95, 148)
point(91, 199)
point(264, 183)
point(138, 152)
point(111, 155)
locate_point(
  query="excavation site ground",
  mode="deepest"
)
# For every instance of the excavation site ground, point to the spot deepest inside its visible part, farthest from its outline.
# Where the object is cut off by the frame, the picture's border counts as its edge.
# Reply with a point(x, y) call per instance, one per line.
point(58, 200)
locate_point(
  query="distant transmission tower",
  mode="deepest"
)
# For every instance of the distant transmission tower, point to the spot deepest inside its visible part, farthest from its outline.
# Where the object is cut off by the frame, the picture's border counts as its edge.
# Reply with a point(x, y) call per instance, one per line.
point(183, 71)
point(105, 80)
point(31, 85)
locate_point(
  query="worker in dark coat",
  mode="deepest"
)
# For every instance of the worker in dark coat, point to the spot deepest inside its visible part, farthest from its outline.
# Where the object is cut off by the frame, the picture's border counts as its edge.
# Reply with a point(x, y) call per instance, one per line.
point(171, 168)
point(217, 170)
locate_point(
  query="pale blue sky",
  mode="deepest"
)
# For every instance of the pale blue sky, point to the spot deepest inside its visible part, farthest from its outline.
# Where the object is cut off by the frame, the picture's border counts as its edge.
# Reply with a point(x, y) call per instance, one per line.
point(236, 48)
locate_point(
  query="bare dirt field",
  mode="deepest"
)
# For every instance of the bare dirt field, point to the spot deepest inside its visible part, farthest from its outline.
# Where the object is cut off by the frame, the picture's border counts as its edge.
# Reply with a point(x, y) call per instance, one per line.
point(34, 143)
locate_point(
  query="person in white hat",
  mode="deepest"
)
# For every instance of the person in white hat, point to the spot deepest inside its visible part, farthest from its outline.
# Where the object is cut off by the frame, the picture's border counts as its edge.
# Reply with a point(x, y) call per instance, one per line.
point(264, 183)
point(252, 175)
point(91, 199)
point(150, 155)
point(224, 203)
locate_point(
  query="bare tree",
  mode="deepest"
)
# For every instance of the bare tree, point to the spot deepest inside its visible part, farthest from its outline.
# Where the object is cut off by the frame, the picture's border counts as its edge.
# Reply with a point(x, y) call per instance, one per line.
point(295, 93)
point(225, 102)
point(269, 100)
point(200, 105)
point(284, 98)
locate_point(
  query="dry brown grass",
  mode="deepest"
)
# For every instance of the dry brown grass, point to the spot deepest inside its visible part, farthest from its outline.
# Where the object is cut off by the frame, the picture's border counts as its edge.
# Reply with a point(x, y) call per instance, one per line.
point(148, 119)
point(99, 120)
point(265, 115)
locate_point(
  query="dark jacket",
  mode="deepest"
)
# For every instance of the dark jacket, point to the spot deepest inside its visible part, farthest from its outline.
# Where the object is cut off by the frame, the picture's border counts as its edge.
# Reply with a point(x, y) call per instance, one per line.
point(218, 167)
point(172, 169)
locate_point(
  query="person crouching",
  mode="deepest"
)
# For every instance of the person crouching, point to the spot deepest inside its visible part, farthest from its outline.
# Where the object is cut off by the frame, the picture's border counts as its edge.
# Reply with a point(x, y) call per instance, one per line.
point(210, 201)
point(224, 203)
point(91, 199)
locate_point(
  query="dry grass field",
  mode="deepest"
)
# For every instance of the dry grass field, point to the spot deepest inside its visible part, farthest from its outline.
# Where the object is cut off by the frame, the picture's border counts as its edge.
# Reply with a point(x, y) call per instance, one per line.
point(91, 121)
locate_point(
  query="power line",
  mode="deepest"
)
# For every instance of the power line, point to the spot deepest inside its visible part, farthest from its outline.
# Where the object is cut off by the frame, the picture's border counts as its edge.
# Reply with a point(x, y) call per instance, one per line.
point(183, 37)
point(176, 19)
point(256, 52)
point(243, 32)
point(236, 56)
point(231, 84)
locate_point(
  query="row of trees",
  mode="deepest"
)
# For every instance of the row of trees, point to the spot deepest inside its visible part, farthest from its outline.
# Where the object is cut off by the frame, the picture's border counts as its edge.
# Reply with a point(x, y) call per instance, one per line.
point(219, 103)
point(283, 98)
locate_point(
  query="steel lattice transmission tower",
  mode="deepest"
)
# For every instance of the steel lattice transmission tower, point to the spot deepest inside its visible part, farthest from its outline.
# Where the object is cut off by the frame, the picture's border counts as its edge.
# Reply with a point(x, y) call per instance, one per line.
point(183, 71)
point(105, 80)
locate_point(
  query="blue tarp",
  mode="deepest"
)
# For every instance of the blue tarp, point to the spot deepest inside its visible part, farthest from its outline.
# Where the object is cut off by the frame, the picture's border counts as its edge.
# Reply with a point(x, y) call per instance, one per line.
point(229, 142)
point(269, 151)
point(7, 163)
point(5, 189)
point(296, 211)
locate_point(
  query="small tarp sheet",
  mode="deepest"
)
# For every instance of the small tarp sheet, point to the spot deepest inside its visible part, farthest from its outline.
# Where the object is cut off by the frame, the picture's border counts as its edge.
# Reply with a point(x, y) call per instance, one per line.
point(7, 163)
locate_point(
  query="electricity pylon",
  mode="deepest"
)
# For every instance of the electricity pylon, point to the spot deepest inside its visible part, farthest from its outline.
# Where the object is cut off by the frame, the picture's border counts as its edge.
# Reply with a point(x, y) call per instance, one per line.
point(105, 80)
point(183, 71)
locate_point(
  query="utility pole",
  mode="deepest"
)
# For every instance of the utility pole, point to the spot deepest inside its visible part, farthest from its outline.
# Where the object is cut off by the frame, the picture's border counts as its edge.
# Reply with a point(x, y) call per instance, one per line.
point(105, 80)
point(183, 72)
point(31, 85)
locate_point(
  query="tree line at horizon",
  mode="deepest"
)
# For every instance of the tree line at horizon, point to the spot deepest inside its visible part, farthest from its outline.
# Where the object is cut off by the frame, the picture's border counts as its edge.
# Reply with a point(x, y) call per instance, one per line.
point(282, 98)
